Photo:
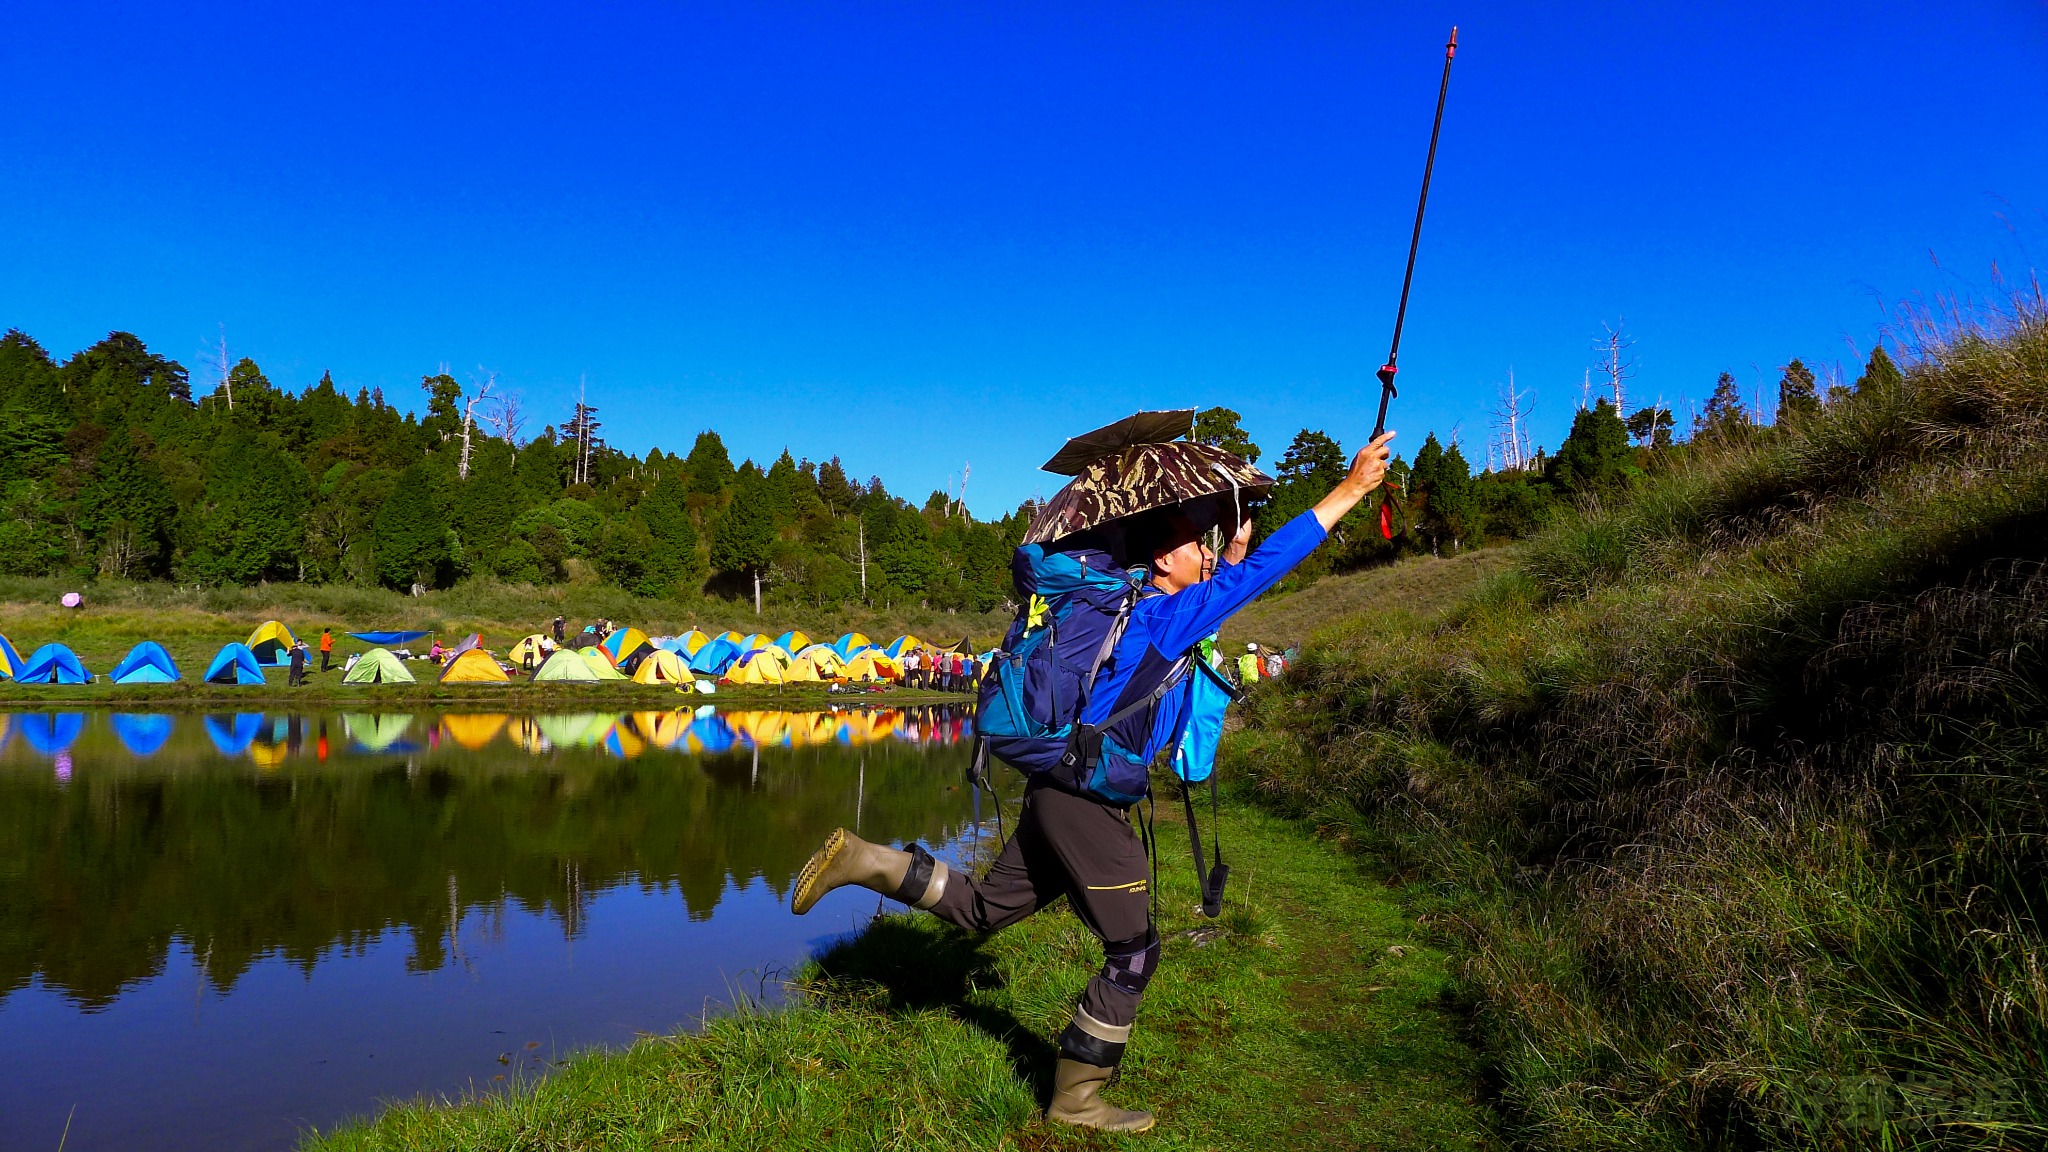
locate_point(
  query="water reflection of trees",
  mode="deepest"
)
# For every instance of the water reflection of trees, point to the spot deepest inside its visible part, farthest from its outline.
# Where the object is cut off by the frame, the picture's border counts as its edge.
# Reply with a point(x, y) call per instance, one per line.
point(300, 849)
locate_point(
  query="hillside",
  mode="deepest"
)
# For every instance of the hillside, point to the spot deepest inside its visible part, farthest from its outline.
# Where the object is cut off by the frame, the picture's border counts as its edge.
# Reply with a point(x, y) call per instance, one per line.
point(1734, 788)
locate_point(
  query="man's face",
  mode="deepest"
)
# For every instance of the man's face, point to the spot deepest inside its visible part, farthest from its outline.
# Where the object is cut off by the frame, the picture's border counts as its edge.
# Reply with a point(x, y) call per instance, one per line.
point(1183, 561)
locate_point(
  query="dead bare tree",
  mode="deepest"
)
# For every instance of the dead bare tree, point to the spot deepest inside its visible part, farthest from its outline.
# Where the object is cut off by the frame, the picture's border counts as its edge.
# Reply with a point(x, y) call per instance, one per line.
point(217, 354)
point(508, 420)
point(483, 390)
point(1510, 429)
point(1615, 362)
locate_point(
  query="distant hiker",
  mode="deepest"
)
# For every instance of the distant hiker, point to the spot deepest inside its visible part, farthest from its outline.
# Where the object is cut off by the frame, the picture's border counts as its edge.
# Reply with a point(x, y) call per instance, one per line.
point(558, 629)
point(434, 653)
point(1113, 643)
point(1248, 666)
point(326, 647)
point(298, 664)
point(1274, 665)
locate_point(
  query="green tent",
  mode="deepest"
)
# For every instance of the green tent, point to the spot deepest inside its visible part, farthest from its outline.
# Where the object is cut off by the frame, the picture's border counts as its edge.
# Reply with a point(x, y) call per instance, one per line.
point(376, 733)
point(565, 665)
point(600, 664)
point(378, 666)
point(578, 730)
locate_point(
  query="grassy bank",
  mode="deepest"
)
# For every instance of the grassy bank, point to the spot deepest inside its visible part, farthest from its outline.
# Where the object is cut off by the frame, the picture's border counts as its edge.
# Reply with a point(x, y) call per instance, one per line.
point(327, 691)
point(1314, 1013)
point(1736, 787)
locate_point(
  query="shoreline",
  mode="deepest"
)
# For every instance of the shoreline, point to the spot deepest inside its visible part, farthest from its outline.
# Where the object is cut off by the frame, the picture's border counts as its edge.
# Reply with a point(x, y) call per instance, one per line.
point(606, 695)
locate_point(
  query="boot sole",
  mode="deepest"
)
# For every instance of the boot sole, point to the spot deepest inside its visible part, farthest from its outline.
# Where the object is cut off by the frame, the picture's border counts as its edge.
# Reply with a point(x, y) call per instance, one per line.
point(804, 899)
point(1133, 1130)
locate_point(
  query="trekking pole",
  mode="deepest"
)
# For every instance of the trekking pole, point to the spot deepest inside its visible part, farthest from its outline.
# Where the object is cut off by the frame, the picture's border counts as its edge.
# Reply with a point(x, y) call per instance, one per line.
point(1387, 370)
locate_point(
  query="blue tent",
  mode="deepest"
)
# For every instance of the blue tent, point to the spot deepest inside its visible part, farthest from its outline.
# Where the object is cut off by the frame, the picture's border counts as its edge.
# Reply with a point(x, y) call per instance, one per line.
point(53, 664)
point(711, 733)
point(146, 663)
point(141, 732)
point(714, 658)
point(233, 734)
point(234, 664)
point(52, 732)
point(385, 639)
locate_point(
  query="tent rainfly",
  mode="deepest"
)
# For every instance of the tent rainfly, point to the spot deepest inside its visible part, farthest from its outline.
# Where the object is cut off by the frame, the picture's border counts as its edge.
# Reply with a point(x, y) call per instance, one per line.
point(10, 660)
point(146, 663)
point(600, 663)
point(658, 666)
point(792, 642)
point(473, 731)
point(272, 643)
point(378, 666)
point(870, 666)
point(473, 666)
point(53, 664)
point(687, 644)
point(625, 646)
point(850, 643)
point(761, 666)
point(232, 735)
point(714, 658)
point(565, 665)
point(52, 732)
point(529, 646)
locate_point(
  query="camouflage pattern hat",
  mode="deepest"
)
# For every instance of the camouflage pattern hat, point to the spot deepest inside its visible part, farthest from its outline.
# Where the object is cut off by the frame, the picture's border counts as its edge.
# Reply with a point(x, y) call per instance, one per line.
point(1136, 465)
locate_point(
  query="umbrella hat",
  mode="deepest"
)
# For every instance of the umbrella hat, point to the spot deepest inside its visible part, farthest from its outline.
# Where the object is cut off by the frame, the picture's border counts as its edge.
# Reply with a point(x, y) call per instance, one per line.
point(1138, 464)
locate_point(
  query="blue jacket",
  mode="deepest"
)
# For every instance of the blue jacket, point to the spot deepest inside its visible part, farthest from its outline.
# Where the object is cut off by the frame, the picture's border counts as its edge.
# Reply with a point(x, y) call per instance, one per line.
point(1163, 627)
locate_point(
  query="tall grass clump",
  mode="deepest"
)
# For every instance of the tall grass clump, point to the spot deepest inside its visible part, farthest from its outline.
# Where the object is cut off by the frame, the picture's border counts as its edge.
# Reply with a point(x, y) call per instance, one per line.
point(1737, 789)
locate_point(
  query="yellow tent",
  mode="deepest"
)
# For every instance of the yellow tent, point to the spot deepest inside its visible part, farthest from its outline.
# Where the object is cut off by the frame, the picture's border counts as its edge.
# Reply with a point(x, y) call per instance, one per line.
point(600, 663)
point(473, 732)
point(819, 662)
point(753, 643)
point(661, 667)
point(690, 641)
point(793, 641)
point(801, 672)
point(270, 641)
point(529, 646)
point(762, 666)
point(662, 729)
point(735, 637)
point(473, 666)
point(870, 666)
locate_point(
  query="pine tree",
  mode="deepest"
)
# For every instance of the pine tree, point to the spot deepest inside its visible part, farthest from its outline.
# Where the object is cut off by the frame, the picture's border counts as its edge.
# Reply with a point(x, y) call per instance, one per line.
point(672, 537)
point(1218, 427)
point(1724, 419)
point(410, 537)
point(1797, 399)
point(1595, 456)
point(1880, 374)
point(710, 466)
point(743, 541)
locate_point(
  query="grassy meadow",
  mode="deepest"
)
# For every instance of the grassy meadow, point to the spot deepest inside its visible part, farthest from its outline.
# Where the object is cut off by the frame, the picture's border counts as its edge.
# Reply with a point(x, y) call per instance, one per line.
point(1734, 790)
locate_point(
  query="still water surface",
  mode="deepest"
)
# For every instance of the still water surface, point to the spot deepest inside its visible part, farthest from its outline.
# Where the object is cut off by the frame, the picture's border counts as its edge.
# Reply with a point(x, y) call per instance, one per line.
point(218, 931)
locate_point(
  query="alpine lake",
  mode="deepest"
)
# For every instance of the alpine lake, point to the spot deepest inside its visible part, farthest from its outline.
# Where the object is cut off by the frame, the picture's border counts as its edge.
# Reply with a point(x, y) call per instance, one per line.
point(222, 931)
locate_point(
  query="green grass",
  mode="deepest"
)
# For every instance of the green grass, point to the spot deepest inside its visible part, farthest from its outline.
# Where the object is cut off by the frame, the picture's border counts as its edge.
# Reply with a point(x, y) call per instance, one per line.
point(1315, 1013)
point(1735, 787)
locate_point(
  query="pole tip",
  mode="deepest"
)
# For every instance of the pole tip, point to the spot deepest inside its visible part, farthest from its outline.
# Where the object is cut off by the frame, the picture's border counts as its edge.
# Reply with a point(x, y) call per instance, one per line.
point(1451, 49)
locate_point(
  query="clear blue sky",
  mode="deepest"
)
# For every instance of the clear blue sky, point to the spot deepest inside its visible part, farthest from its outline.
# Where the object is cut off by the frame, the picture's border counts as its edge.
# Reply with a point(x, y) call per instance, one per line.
point(921, 235)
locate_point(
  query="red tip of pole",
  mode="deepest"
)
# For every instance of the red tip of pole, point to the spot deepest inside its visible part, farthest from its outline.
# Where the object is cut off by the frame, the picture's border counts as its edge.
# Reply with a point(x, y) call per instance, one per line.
point(1451, 49)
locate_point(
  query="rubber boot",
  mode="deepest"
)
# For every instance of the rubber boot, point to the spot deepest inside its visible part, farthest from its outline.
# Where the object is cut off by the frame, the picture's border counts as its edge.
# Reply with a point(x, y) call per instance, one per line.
point(912, 877)
point(1077, 1100)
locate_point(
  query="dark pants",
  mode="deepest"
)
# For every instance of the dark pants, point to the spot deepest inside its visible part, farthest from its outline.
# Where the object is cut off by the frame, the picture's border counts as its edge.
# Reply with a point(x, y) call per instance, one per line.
point(298, 674)
point(324, 654)
point(1066, 845)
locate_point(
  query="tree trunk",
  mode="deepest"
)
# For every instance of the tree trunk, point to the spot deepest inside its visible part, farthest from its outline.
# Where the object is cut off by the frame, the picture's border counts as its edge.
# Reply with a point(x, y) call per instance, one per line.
point(757, 591)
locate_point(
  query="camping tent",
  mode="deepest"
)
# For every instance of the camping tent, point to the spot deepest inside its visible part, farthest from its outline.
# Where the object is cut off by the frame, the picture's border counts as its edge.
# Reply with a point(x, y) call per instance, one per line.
point(714, 658)
point(577, 730)
point(146, 663)
point(625, 646)
point(378, 733)
point(473, 666)
point(850, 643)
point(661, 729)
point(234, 664)
point(231, 735)
point(687, 644)
point(965, 647)
point(761, 666)
point(870, 666)
point(792, 642)
point(473, 731)
point(473, 640)
point(710, 734)
point(902, 644)
point(141, 733)
point(599, 662)
point(661, 667)
point(729, 634)
point(754, 642)
point(52, 732)
point(530, 646)
point(378, 666)
point(383, 638)
point(271, 642)
point(821, 656)
point(10, 660)
point(565, 665)
point(53, 664)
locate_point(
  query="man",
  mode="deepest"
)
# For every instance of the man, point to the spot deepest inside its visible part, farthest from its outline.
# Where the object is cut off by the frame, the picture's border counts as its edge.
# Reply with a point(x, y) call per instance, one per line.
point(558, 629)
point(326, 647)
point(1084, 848)
point(1248, 666)
point(298, 662)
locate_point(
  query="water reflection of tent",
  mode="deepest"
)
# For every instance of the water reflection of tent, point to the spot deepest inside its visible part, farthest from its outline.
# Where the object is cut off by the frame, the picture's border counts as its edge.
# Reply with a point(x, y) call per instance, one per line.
point(575, 730)
point(232, 735)
point(53, 664)
point(385, 733)
point(662, 729)
point(146, 663)
point(10, 660)
point(234, 664)
point(142, 733)
point(51, 732)
point(271, 642)
point(566, 664)
point(527, 734)
point(474, 731)
point(378, 666)
point(710, 734)
point(623, 742)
